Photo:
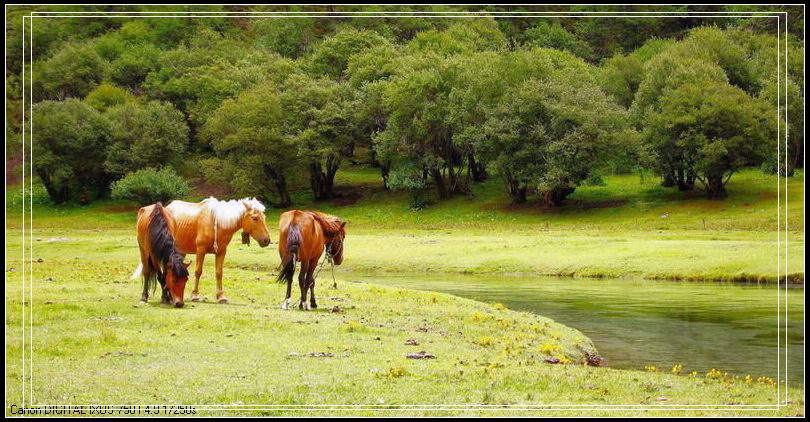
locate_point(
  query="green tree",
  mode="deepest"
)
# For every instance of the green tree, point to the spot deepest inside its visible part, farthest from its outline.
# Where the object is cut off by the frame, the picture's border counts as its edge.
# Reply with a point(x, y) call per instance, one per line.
point(331, 56)
point(253, 152)
point(72, 71)
point(471, 35)
point(149, 135)
point(714, 127)
point(107, 95)
point(553, 35)
point(315, 118)
point(550, 134)
point(69, 147)
point(289, 37)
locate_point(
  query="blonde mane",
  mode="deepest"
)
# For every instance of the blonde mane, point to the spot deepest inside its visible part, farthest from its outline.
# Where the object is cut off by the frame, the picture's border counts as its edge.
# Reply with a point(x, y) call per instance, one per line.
point(228, 214)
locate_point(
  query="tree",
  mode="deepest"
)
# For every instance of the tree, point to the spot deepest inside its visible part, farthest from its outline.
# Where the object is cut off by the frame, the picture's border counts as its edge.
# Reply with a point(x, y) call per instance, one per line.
point(197, 80)
point(107, 95)
point(666, 72)
point(331, 56)
point(149, 135)
point(553, 35)
point(289, 37)
point(551, 131)
point(417, 131)
point(69, 144)
point(468, 36)
point(131, 67)
point(315, 120)
point(716, 128)
point(253, 152)
point(71, 72)
point(620, 76)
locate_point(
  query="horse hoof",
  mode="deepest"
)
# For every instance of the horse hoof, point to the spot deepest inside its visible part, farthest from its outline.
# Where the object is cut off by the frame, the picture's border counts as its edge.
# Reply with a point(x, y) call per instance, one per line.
point(195, 299)
point(222, 300)
point(313, 306)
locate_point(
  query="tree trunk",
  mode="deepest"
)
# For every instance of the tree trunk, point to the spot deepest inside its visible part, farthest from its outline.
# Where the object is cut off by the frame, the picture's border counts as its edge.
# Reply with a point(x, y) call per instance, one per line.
point(516, 191)
point(668, 179)
point(477, 169)
point(280, 182)
point(439, 180)
point(323, 183)
point(555, 197)
point(715, 188)
point(385, 170)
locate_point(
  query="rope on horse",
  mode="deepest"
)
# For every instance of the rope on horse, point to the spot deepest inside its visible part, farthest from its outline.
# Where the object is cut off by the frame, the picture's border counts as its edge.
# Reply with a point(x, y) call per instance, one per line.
point(328, 255)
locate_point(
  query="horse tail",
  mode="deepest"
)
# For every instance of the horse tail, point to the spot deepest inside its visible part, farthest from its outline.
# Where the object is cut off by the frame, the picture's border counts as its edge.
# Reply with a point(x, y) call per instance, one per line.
point(138, 272)
point(289, 259)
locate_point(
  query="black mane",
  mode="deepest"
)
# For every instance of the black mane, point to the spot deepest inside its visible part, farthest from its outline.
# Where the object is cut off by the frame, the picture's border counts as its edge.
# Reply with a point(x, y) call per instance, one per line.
point(162, 243)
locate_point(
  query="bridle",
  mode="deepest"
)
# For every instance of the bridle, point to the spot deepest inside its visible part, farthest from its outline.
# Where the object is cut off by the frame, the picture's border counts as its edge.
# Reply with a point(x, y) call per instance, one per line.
point(330, 255)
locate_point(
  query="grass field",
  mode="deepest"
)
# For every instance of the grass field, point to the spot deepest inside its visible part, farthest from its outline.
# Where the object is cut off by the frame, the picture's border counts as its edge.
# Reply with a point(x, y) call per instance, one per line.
point(92, 344)
point(628, 228)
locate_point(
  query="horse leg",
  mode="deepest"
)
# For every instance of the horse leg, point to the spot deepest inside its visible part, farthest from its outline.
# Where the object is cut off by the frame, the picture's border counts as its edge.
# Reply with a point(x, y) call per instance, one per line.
point(303, 283)
point(144, 275)
point(286, 304)
point(195, 294)
point(311, 281)
point(220, 259)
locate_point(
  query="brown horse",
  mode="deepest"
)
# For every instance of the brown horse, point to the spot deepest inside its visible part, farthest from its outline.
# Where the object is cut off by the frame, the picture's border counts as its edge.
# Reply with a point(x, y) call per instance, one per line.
point(303, 237)
point(207, 228)
point(160, 258)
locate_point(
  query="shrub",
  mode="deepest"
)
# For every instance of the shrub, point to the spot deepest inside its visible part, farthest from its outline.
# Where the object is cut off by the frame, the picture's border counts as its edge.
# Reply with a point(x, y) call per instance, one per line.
point(148, 186)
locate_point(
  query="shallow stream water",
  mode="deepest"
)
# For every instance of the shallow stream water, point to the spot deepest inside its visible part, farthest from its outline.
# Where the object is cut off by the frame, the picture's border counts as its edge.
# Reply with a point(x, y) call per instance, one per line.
point(634, 323)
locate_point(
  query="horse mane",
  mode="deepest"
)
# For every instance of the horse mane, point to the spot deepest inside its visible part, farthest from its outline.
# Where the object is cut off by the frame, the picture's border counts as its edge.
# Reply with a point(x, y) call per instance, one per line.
point(228, 213)
point(162, 242)
point(330, 223)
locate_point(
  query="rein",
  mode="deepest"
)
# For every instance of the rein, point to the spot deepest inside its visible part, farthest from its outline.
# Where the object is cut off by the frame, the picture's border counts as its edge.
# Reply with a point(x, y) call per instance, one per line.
point(330, 256)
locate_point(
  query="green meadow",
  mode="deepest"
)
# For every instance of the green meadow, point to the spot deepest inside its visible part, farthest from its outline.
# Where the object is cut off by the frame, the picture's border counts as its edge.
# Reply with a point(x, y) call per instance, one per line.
point(88, 329)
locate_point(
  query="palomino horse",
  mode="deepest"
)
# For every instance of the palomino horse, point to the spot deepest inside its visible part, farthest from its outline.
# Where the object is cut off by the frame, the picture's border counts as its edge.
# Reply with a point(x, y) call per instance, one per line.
point(207, 228)
point(303, 236)
point(160, 258)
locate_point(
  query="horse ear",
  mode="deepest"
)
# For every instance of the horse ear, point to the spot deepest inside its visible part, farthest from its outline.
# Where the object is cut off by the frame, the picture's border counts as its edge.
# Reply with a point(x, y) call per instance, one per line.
point(245, 238)
point(342, 225)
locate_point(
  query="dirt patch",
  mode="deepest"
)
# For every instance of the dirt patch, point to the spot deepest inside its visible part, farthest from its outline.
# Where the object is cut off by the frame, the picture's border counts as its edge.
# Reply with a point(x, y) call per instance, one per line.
point(534, 207)
point(206, 189)
point(121, 209)
point(350, 195)
point(14, 170)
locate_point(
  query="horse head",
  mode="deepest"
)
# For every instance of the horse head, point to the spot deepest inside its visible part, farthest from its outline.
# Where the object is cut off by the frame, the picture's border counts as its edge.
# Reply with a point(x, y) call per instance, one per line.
point(336, 244)
point(176, 278)
point(254, 224)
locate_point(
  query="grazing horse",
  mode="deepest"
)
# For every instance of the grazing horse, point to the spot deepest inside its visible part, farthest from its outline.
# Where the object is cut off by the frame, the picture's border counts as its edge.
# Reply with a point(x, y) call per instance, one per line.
point(207, 228)
point(160, 258)
point(303, 237)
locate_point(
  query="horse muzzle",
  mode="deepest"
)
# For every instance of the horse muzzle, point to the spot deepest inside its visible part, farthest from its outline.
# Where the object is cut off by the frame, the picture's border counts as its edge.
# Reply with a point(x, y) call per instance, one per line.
point(178, 304)
point(264, 242)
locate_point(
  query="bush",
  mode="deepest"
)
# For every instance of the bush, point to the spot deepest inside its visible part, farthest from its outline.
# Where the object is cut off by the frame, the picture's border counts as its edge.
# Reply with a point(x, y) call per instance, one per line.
point(148, 186)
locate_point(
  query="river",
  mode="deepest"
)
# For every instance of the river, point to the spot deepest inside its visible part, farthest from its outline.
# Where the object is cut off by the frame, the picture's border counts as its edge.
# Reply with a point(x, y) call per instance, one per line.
point(634, 323)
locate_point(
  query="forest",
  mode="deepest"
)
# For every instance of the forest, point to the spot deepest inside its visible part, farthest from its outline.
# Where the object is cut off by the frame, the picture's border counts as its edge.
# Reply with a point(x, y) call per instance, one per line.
point(147, 108)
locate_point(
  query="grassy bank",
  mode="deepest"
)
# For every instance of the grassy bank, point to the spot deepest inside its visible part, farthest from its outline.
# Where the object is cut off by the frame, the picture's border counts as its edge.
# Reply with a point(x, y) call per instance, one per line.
point(88, 332)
